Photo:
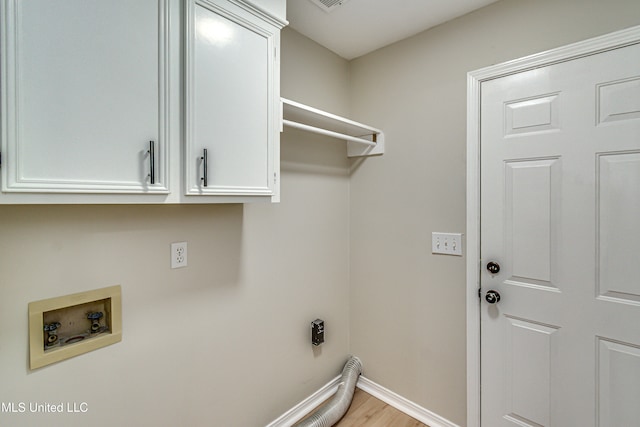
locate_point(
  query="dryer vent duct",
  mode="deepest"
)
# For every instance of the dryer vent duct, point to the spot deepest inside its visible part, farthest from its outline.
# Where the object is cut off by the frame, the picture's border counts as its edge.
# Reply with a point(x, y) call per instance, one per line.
point(330, 414)
point(328, 5)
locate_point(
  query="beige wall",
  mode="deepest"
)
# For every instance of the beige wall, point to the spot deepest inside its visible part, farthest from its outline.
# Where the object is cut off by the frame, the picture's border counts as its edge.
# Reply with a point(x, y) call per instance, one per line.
point(223, 342)
point(407, 305)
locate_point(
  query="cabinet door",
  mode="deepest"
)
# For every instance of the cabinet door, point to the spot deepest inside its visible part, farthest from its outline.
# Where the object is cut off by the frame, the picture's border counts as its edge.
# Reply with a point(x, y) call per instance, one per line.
point(84, 86)
point(230, 57)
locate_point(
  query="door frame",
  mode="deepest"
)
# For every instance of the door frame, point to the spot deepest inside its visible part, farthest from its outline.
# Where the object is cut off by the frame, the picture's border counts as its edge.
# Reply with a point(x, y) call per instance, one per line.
point(475, 79)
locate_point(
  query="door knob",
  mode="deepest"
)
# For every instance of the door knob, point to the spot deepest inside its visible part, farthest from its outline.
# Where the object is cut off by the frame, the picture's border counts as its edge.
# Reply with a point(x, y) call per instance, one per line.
point(493, 267)
point(492, 297)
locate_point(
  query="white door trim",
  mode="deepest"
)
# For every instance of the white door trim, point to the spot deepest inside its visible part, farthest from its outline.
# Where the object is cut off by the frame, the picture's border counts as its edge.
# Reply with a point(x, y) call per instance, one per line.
point(474, 80)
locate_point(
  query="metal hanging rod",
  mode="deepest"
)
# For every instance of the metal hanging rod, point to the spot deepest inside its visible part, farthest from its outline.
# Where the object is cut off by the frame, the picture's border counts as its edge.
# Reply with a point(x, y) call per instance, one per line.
point(326, 132)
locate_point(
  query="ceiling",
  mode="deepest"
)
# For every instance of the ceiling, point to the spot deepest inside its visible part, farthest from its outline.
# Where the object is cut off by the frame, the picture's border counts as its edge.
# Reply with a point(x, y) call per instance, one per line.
point(358, 27)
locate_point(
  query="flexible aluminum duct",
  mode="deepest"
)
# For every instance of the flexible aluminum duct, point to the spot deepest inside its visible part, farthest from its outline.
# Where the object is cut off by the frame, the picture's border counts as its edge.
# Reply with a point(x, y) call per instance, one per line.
point(330, 414)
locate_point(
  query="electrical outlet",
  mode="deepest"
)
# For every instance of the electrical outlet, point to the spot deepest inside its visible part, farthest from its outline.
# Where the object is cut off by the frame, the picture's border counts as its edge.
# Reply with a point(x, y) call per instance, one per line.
point(446, 243)
point(179, 255)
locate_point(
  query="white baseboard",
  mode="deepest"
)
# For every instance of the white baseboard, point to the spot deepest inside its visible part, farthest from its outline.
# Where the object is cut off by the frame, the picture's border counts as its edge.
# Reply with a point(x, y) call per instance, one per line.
point(305, 407)
point(404, 405)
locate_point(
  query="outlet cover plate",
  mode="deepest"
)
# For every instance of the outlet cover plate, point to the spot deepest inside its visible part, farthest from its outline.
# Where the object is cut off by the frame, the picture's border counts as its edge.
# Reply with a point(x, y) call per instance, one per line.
point(179, 255)
point(446, 243)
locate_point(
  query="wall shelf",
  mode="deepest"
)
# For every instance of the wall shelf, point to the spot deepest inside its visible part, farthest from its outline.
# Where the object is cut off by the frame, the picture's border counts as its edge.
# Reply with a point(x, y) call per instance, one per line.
point(362, 140)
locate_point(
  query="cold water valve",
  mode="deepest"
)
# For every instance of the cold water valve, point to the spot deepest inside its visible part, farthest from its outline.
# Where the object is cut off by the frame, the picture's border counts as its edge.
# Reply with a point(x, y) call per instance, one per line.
point(95, 317)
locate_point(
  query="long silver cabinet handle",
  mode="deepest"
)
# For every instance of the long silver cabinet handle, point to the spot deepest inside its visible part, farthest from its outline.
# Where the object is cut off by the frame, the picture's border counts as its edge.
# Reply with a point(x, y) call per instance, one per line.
point(204, 167)
point(152, 162)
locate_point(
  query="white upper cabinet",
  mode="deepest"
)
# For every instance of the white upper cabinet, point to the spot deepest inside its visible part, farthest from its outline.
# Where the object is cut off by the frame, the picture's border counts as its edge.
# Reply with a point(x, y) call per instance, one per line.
point(231, 100)
point(84, 91)
point(116, 101)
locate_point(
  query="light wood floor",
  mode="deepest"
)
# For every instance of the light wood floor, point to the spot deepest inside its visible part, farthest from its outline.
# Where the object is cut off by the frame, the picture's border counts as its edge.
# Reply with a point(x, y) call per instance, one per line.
point(368, 411)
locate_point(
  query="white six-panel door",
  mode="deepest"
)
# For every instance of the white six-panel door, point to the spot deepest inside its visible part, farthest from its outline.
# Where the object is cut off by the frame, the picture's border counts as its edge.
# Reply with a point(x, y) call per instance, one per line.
point(560, 215)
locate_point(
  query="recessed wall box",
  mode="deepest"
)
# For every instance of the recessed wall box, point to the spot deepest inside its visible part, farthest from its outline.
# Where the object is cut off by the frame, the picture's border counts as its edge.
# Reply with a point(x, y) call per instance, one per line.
point(64, 327)
point(317, 332)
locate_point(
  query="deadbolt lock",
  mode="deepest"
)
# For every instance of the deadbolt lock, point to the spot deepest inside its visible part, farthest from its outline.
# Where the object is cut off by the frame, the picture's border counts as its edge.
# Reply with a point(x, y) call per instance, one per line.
point(493, 267)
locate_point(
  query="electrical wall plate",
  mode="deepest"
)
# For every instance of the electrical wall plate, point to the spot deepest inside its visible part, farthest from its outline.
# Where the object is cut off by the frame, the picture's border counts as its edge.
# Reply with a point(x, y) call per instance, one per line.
point(67, 326)
point(446, 243)
point(179, 255)
point(317, 332)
